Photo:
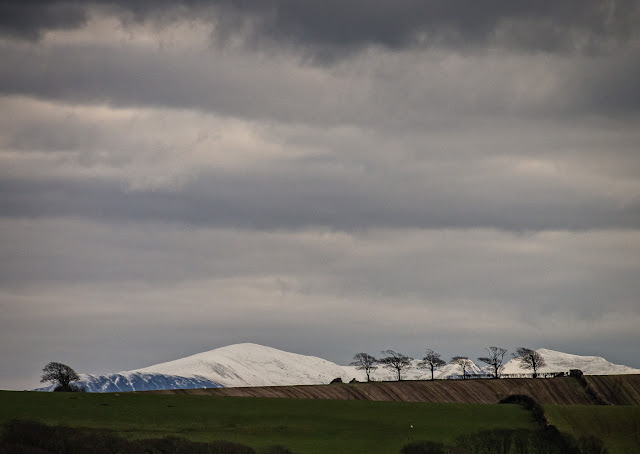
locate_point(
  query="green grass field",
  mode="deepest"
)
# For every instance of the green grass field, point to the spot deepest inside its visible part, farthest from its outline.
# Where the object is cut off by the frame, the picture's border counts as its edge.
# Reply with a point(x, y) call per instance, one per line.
point(305, 426)
point(617, 426)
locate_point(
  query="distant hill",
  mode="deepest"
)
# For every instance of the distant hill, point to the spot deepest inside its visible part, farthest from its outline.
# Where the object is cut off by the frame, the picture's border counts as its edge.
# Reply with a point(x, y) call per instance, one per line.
point(247, 365)
point(136, 381)
point(252, 365)
point(563, 362)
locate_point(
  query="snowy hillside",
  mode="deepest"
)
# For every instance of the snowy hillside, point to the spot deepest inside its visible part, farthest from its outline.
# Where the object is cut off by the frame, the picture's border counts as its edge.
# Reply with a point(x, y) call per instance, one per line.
point(257, 365)
point(563, 362)
point(135, 381)
point(252, 365)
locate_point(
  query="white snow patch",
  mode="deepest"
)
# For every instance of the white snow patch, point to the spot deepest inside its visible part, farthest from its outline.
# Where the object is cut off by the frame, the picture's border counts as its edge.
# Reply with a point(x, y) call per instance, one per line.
point(253, 365)
point(563, 362)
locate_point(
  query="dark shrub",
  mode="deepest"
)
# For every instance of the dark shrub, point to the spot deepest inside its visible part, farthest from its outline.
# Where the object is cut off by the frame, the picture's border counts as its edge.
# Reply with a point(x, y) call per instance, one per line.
point(592, 445)
point(336, 380)
point(551, 440)
point(70, 388)
point(423, 447)
point(575, 373)
point(497, 441)
point(578, 375)
point(530, 404)
point(35, 438)
point(219, 447)
point(31, 434)
point(522, 441)
point(591, 392)
point(275, 449)
point(21, 449)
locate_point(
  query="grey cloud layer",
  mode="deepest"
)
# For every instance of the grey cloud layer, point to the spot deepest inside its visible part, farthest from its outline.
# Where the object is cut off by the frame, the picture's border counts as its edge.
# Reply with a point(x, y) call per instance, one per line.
point(29, 19)
point(501, 173)
point(184, 289)
point(323, 177)
point(402, 92)
point(293, 201)
point(330, 26)
point(430, 265)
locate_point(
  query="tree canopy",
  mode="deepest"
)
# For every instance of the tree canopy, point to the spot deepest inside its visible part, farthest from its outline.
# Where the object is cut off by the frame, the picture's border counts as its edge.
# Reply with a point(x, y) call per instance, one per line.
point(463, 362)
point(431, 361)
point(530, 359)
point(395, 361)
point(60, 375)
point(365, 362)
point(494, 359)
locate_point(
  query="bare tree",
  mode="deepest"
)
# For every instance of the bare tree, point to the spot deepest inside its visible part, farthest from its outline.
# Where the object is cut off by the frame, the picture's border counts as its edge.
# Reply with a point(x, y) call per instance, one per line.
point(60, 375)
point(365, 362)
point(495, 359)
point(463, 362)
point(530, 359)
point(395, 361)
point(431, 361)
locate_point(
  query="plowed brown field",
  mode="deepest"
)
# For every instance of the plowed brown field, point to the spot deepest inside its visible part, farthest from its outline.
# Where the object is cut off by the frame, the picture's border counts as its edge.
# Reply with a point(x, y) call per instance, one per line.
point(617, 389)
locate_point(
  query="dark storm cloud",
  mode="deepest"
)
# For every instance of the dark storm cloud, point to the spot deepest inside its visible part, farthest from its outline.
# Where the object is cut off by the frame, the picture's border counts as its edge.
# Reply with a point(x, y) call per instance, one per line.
point(330, 25)
point(291, 202)
point(28, 19)
point(611, 87)
point(534, 25)
point(244, 85)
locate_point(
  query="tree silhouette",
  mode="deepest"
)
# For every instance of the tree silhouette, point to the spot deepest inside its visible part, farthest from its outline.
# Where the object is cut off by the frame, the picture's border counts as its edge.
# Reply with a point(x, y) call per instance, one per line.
point(495, 359)
point(431, 361)
point(365, 362)
point(60, 375)
point(463, 362)
point(395, 361)
point(530, 359)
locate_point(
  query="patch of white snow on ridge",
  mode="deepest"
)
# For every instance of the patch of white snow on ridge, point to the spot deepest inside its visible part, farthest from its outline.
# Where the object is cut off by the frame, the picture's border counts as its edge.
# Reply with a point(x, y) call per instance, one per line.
point(455, 371)
point(563, 362)
point(252, 365)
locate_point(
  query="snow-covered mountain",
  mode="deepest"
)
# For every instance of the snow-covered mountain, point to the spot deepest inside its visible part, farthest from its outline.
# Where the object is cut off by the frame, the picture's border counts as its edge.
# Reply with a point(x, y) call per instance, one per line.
point(257, 365)
point(252, 365)
point(136, 381)
point(234, 365)
point(563, 362)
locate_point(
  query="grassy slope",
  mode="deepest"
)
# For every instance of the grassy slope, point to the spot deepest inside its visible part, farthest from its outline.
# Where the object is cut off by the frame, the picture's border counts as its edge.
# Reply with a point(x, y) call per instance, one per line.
point(306, 426)
point(617, 426)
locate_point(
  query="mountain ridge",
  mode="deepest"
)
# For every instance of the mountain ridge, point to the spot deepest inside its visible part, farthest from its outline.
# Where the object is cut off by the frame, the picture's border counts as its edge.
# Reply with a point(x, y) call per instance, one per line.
point(251, 365)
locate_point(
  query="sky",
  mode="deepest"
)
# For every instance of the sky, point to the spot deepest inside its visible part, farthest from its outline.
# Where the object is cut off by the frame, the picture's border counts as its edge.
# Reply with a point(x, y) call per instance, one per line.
point(323, 177)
